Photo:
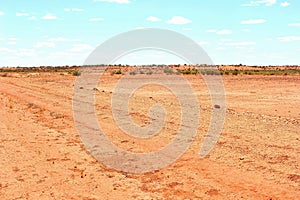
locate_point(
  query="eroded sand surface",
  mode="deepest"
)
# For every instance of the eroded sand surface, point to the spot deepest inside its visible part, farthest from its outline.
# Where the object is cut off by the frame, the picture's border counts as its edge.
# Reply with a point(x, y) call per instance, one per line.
point(257, 156)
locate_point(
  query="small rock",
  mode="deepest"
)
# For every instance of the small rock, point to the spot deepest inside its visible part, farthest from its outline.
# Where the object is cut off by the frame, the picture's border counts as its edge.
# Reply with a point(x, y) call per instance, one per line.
point(242, 158)
point(217, 106)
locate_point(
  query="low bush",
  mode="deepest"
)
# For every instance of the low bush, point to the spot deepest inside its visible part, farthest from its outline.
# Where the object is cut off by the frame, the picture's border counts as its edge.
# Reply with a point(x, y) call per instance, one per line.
point(76, 73)
point(118, 71)
point(190, 71)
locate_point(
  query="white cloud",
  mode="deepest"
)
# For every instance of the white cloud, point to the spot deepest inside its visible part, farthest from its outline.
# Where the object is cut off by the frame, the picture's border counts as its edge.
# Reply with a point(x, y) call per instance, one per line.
point(1, 13)
point(59, 39)
point(153, 19)
point(73, 10)
point(241, 44)
point(62, 39)
point(22, 14)
point(49, 17)
point(223, 32)
point(96, 19)
point(12, 43)
point(45, 44)
point(260, 2)
point(114, 1)
point(12, 39)
point(288, 38)
point(285, 4)
point(32, 18)
point(18, 14)
point(219, 32)
point(7, 50)
point(50, 43)
point(81, 47)
point(179, 20)
point(254, 21)
point(26, 52)
point(294, 24)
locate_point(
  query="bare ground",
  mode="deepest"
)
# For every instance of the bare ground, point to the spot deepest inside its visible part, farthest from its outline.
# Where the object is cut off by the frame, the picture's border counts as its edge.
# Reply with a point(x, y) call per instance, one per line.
point(257, 156)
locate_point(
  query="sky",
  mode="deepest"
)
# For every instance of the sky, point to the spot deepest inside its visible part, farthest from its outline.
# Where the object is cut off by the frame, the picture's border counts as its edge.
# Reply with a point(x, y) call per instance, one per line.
point(65, 32)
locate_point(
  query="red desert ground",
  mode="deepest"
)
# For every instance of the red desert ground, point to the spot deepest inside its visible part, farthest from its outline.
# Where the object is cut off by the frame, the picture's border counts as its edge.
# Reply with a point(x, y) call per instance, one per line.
point(256, 157)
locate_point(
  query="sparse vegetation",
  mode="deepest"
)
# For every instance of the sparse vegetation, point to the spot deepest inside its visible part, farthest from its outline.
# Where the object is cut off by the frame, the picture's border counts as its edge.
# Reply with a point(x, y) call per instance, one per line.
point(149, 72)
point(116, 72)
point(235, 72)
point(76, 73)
point(189, 71)
point(210, 72)
point(264, 72)
point(169, 70)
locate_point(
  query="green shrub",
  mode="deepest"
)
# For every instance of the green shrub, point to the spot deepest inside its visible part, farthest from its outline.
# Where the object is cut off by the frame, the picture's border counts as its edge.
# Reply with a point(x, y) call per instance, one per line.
point(235, 73)
point(118, 71)
point(190, 71)
point(76, 73)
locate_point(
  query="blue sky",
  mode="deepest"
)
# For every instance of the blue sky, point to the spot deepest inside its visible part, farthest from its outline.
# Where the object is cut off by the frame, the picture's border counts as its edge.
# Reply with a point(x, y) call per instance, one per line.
point(65, 32)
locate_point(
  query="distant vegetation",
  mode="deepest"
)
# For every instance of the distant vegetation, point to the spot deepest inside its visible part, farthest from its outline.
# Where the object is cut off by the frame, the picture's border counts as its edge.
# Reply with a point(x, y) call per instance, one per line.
point(189, 71)
point(163, 69)
point(263, 72)
point(60, 69)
